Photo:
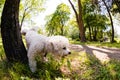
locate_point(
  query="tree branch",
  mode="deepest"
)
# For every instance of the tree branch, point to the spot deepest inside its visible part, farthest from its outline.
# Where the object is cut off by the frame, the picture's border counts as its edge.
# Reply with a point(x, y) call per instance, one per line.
point(76, 14)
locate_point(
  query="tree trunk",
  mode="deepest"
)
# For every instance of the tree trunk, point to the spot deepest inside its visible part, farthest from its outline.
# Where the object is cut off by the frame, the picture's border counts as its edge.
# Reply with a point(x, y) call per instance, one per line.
point(10, 31)
point(95, 34)
point(62, 30)
point(92, 31)
point(81, 25)
point(89, 31)
point(79, 20)
point(112, 38)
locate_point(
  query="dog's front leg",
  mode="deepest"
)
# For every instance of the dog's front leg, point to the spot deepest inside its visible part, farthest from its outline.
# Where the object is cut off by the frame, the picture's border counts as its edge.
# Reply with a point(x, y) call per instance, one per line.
point(44, 57)
point(32, 61)
point(32, 64)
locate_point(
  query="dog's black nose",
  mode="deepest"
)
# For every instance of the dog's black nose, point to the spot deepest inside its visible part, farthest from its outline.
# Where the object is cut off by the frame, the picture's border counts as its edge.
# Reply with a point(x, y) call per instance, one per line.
point(69, 53)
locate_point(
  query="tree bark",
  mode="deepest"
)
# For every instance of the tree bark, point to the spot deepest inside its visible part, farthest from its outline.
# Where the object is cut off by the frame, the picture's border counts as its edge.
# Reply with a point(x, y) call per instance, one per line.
point(81, 25)
point(89, 31)
point(79, 19)
point(95, 34)
point(10, 31)
point(112, 37)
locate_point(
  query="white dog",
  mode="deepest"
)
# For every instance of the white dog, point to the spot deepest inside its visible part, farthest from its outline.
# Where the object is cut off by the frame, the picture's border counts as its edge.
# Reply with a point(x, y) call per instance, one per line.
point(41, 45)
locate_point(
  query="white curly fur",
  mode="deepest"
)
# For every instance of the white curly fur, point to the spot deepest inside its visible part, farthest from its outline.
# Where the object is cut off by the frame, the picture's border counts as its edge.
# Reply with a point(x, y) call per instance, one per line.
point(41, 45)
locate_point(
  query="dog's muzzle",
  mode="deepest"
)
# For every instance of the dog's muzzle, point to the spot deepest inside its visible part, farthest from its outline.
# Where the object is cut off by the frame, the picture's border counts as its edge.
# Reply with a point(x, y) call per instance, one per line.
point(69, 53)
point(66, 55)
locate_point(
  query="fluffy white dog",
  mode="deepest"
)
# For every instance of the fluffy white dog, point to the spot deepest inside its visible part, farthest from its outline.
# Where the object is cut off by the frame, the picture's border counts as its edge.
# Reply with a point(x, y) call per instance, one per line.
point(41, 45)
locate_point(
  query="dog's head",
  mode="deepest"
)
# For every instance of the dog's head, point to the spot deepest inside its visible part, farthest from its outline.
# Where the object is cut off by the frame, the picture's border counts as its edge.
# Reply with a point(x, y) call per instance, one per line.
point(59, 46)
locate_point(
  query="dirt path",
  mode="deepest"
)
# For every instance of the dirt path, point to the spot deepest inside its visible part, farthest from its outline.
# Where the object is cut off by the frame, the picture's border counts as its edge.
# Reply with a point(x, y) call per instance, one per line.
point(102, 53)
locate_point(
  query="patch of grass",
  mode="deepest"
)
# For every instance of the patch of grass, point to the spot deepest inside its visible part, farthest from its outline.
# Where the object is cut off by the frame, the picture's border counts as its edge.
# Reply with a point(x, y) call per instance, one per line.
point(18, 71)
point(87, 67)
point(77, 66)
point(98, 44)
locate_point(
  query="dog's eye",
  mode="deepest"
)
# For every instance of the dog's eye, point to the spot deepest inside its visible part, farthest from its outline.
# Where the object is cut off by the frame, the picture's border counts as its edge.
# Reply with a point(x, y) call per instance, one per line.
point(64, 48)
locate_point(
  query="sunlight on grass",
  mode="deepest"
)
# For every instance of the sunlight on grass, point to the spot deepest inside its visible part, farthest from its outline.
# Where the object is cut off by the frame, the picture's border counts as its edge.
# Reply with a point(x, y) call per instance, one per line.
point(77, 66)
point(98, 44)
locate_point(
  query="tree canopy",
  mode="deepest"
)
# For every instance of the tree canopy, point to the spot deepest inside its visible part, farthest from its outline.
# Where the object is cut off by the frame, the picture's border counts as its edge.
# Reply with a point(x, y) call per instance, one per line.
point(56, 23)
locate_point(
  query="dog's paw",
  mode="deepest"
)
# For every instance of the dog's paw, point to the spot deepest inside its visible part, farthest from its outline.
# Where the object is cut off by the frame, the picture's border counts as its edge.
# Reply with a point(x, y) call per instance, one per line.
point(33, 69)
point(45, 59)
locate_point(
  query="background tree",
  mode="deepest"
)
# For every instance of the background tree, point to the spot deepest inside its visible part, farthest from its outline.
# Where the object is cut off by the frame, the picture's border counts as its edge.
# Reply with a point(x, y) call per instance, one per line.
point(1, 3)
point(56, 24)
point(73, 31)
point(10, 31)
point(78, 14)
point(110, 16)
point(1, 6)
point(95, 22)
point(116, 5)
point(29, 8)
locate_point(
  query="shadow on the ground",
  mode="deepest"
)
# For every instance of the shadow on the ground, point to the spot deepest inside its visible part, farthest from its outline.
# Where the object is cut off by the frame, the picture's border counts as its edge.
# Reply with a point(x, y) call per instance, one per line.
point(99, 52)
point(89, 67)
point(106, 53)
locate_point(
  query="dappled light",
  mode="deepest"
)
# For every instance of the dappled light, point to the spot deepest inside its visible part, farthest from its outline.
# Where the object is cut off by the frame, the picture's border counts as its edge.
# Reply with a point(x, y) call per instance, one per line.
point(59, 40)
point(103, 57)
point(102, 53)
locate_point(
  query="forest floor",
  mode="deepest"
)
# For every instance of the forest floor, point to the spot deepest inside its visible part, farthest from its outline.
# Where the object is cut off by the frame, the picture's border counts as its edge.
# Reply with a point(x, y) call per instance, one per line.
point(91, 54)
point(101, 53)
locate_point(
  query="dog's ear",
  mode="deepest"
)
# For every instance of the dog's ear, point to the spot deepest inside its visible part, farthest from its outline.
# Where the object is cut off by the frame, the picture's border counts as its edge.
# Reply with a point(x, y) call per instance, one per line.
point(52, 45)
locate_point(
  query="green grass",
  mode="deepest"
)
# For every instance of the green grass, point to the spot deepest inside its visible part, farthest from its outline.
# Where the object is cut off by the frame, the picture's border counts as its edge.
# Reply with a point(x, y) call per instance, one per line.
point(98, 44)
point(77, 66)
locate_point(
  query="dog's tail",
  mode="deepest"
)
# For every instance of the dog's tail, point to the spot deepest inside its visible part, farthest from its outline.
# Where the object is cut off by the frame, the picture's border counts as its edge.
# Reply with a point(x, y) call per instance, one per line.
point(24, 31)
